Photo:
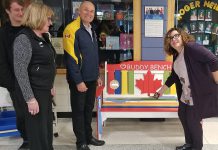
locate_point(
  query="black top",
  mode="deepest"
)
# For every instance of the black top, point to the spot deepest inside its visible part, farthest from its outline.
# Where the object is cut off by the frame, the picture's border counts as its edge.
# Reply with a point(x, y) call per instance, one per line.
point(34, 62)
point(7, 36)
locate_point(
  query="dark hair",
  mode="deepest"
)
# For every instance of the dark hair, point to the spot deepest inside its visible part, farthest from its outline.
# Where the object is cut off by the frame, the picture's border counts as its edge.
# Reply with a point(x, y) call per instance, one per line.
point(7, 3)
point(185, 38)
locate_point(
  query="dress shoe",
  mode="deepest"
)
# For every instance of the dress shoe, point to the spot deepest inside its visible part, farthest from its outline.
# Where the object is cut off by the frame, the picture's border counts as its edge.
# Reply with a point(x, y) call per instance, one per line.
point(184, 147)
point(82, 147)
point(24, 146)
point(96, 142)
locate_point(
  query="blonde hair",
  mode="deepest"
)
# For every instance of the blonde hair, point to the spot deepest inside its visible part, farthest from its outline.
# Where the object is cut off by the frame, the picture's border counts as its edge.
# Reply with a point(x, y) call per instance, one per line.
point(36, 15)
point(185, 38)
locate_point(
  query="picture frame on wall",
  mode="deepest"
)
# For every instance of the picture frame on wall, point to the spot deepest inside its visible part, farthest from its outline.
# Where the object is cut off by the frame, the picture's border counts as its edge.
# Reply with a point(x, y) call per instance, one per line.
point(200, 26)
point(208, 27)
point(186, 28)
point(193, 27)
point(208, 15)
point(193, 15)
point(215, 29)
point(201, 14)
point(198, 38)
point(206, 40)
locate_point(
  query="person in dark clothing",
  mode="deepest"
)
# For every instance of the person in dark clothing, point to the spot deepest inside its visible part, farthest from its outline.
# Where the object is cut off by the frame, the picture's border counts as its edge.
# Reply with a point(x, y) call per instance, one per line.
point(195, 73)
point(14, 10)
point(35, 69)
point(81, 54)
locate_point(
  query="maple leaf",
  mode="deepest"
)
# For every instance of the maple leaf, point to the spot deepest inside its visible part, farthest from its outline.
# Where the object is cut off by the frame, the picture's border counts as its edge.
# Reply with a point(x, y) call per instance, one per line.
point(148, 85)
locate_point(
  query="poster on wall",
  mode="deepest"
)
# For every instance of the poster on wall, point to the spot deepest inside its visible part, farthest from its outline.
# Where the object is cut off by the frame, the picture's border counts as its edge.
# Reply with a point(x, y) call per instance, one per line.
point(154, 17)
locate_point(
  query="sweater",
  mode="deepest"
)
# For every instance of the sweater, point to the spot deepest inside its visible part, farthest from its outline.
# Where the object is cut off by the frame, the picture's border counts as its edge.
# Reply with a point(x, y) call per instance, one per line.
point(200, 62)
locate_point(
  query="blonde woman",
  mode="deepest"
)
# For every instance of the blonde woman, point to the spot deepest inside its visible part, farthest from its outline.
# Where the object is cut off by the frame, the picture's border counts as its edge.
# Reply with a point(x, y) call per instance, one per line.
point(34, 67)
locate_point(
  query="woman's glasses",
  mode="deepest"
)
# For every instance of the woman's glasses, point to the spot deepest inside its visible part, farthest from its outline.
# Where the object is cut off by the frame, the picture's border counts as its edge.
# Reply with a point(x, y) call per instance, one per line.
point(174, 37)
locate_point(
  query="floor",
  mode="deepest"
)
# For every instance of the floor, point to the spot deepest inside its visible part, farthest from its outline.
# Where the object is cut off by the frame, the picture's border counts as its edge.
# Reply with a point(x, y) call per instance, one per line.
point(131, 131)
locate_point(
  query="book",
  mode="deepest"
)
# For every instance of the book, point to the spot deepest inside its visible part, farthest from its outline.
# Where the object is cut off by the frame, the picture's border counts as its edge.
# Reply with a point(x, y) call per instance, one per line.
point(112, 42)
point(126, 41)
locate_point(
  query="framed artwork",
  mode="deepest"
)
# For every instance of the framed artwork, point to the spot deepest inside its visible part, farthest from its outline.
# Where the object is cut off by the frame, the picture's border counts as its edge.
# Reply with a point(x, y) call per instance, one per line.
point(186, 28)
point(193, 15)
point(208, 27)
point(193, 27)
point(215, 29)
point(200, 26)
point(198, 38)
point(206, 40)
point(200, 14)
point(208, 15)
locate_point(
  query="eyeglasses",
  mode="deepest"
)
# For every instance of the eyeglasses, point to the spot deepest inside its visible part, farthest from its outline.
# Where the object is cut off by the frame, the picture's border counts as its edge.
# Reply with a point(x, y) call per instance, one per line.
point(176, 36)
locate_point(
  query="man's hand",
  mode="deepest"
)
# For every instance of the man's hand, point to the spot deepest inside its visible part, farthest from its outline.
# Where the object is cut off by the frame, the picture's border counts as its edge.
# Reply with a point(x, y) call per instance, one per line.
point(81, 87)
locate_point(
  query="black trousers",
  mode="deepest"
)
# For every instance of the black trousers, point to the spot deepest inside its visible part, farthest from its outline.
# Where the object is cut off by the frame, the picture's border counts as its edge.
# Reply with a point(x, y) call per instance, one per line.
point(82, 104)
point(191, 124)
point(20, 113)
point(39, 127)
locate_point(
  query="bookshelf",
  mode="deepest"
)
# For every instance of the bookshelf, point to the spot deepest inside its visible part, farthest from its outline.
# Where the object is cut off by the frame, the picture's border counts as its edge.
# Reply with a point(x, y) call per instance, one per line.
point(114, 22)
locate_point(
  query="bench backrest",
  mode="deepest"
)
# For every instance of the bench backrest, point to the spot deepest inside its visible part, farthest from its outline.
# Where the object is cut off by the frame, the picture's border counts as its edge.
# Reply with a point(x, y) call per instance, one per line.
point(136, 79)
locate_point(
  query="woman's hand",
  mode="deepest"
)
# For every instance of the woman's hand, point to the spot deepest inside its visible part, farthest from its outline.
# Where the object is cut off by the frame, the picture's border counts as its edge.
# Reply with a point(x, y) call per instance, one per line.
point(160, 92)
point(33, 106)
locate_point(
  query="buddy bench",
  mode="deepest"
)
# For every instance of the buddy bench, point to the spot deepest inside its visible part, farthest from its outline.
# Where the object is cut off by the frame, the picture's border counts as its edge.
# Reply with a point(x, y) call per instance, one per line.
point(128, 91)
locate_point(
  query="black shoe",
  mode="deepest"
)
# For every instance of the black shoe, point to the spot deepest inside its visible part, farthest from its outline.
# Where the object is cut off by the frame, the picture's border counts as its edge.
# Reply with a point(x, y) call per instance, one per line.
point(96, 142)
point(24, 146)
point(82, 147)
point(184, 147)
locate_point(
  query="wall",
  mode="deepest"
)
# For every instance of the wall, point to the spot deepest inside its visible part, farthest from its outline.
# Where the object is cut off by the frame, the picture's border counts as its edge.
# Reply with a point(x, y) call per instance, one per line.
point(152, 48)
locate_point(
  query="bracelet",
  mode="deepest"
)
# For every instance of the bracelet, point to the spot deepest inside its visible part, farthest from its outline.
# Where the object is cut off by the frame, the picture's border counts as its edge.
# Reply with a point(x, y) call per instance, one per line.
point(156, 95)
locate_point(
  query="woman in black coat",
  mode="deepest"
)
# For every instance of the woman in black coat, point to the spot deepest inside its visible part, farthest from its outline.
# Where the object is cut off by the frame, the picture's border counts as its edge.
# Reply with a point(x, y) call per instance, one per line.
point(195, 73)
point(35, 69)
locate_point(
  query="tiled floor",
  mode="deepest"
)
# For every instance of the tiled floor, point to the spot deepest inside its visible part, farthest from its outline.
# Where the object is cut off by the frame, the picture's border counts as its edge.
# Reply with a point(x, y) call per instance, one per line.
point(132, 131)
